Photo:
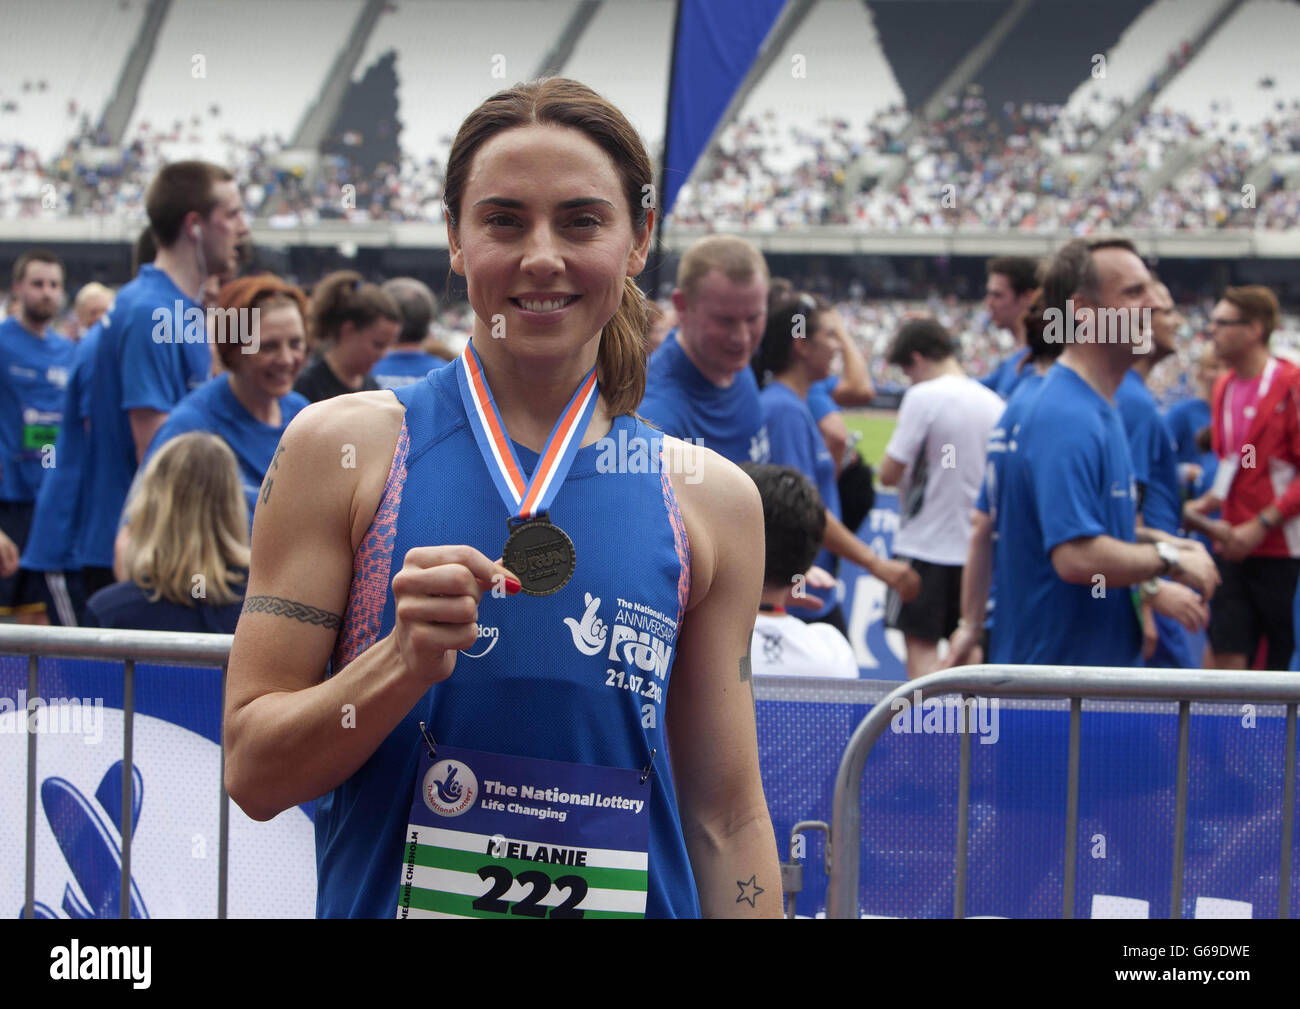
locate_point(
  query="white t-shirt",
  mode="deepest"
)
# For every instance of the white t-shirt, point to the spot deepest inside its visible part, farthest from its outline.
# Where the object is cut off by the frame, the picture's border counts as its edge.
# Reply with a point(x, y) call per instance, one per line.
point(941, 439)
point(784, 645)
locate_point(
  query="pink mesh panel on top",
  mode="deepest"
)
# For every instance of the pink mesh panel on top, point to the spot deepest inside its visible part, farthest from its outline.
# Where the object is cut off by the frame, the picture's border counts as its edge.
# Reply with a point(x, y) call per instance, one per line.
point(372, 565)
point(679, 539)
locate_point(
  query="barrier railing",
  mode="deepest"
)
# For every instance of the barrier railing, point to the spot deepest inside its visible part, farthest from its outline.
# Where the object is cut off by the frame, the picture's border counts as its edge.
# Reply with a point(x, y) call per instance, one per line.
point(1076, 685)
point(127, 647)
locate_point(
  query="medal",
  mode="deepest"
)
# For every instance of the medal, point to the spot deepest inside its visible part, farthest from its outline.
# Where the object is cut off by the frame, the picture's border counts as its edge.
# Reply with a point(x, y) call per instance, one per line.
point(541, 554)
point(537, 550)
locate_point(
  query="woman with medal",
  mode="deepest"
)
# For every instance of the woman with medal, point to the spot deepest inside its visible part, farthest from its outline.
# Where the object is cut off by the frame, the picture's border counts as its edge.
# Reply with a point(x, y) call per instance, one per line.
point(479, 722)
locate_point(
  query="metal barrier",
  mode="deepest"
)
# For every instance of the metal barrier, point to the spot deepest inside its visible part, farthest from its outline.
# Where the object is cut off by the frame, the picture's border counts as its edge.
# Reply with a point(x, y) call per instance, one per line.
point(1074, 684)
point(128, 647)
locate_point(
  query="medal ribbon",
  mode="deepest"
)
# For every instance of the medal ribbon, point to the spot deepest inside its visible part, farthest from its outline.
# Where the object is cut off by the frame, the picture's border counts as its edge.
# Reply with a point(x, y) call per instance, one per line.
point(524, 497)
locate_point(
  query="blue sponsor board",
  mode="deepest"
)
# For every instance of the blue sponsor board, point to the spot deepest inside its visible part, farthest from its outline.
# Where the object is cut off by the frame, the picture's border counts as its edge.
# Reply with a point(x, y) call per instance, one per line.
point(1123, 847)
point(176, 800)
point(880, 651)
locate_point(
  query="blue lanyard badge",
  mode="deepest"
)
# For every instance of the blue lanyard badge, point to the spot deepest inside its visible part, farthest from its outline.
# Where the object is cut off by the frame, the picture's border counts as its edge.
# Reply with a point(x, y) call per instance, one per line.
point(495, 836)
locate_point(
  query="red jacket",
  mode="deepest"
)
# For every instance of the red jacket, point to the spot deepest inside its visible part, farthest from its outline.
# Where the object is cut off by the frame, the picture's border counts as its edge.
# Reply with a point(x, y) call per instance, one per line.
point(1274, 477)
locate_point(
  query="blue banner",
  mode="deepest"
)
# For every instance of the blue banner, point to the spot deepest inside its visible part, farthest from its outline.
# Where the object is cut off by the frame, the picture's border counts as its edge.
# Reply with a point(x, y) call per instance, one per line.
point(76, 716)
point(716, 43)
point(880, 651)
point(1124, 844)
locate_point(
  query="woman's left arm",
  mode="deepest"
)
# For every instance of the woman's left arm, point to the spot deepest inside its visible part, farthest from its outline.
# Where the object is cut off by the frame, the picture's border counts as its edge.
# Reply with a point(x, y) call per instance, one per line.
point(710, 716)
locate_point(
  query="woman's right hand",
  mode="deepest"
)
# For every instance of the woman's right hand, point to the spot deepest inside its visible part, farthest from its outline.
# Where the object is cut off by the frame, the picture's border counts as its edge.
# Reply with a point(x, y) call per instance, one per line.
point(436, 597)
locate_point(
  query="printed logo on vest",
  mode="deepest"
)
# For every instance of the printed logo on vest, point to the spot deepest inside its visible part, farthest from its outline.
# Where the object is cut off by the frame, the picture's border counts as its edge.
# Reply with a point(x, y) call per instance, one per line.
point(492, 635)
point(590, 632)
point(450, 788)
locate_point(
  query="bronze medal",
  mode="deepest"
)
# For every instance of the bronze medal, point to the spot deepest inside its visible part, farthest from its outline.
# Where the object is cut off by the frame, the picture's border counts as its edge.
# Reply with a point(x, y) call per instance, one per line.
point(541, 554)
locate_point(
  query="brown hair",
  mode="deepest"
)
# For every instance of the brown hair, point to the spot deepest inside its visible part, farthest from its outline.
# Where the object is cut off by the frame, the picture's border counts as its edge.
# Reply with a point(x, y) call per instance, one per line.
point(1072, 270)
point(256, 292)
point(34, 256)
point(1256, 303)
point(179, 188)
point(145, 250)
point(558, 101)
point(1021, 272)
point(738, 260)
point(342, 297)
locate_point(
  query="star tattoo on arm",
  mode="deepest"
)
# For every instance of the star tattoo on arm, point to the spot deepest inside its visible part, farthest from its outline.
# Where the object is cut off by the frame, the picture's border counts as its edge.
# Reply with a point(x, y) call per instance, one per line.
point(749, 898)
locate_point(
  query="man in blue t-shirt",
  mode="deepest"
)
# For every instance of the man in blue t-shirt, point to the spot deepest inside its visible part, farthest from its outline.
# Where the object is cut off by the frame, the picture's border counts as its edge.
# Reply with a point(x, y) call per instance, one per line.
point(1067, 553)
point(408, 361)
point(1156, 470)
point(34, 365)
point(1009, 292)
point(153, 342)
point(64, 497)
point(699, 384)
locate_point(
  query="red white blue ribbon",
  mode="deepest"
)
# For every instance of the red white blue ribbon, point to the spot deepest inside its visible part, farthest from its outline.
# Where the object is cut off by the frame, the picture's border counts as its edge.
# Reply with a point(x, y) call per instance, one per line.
point(525, 497)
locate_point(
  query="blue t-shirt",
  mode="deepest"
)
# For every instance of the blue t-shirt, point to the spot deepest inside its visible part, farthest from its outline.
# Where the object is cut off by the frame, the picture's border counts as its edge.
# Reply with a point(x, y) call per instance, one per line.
point(1004, 433)
point(402, 367)
point(213, 407)
point(1066, 474)
point(1152, 449)
point(33, 377)
point(61, 504)
point(1004, 378)
point(544, 681)
point(820, 400)
point(126, 606)
point(797, 442)
point(681, 402)
point(1186, 420)
point(135, 368)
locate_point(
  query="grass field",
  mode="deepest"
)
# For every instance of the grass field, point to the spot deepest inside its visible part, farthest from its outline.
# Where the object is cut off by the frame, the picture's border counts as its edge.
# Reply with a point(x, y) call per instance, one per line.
point(876, 427)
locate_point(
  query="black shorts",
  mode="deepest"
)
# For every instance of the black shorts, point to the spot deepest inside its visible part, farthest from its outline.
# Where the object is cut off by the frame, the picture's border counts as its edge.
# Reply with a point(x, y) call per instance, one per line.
point(934, 613)
point(23, 591)
point(1255, 600)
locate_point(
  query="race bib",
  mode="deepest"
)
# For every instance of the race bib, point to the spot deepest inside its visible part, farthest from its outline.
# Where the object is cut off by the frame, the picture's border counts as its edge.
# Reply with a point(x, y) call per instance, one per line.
point(495, 836)
point(40, 428)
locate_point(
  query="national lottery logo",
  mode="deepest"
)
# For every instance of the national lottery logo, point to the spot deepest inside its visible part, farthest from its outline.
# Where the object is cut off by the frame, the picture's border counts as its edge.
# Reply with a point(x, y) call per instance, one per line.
point(450, 788)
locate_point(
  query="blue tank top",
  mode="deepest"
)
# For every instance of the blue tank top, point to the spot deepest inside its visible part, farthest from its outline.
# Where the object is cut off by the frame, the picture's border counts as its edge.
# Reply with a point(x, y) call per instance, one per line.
point(540, 681)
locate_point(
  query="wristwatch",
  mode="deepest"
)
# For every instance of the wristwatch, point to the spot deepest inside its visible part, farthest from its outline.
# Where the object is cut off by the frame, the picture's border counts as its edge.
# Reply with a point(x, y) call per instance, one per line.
point(1168, 554)
point(1266, 522)
point(1149, 588)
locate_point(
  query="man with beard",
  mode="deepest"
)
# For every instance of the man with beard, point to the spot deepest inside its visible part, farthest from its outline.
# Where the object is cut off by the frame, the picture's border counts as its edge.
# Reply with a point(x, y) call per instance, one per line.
point(34, 362)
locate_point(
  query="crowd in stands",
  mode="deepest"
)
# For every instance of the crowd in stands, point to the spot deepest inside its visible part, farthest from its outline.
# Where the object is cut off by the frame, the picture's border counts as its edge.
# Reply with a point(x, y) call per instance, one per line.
point(968, 167)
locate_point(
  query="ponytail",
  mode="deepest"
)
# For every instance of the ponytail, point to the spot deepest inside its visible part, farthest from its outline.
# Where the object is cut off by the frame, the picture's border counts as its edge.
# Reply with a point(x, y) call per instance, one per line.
point(344, 296)
point(620, 363)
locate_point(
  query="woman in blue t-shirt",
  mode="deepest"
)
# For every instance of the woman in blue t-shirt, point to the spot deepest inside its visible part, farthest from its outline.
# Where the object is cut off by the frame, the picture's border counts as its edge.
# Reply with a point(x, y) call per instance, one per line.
point(797, 351)
point(261, 344)
point(182, 556)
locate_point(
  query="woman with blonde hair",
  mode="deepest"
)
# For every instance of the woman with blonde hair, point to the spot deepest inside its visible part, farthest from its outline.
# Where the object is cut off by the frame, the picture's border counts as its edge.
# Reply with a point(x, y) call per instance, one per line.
point(183, 551)
point(492, 738)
